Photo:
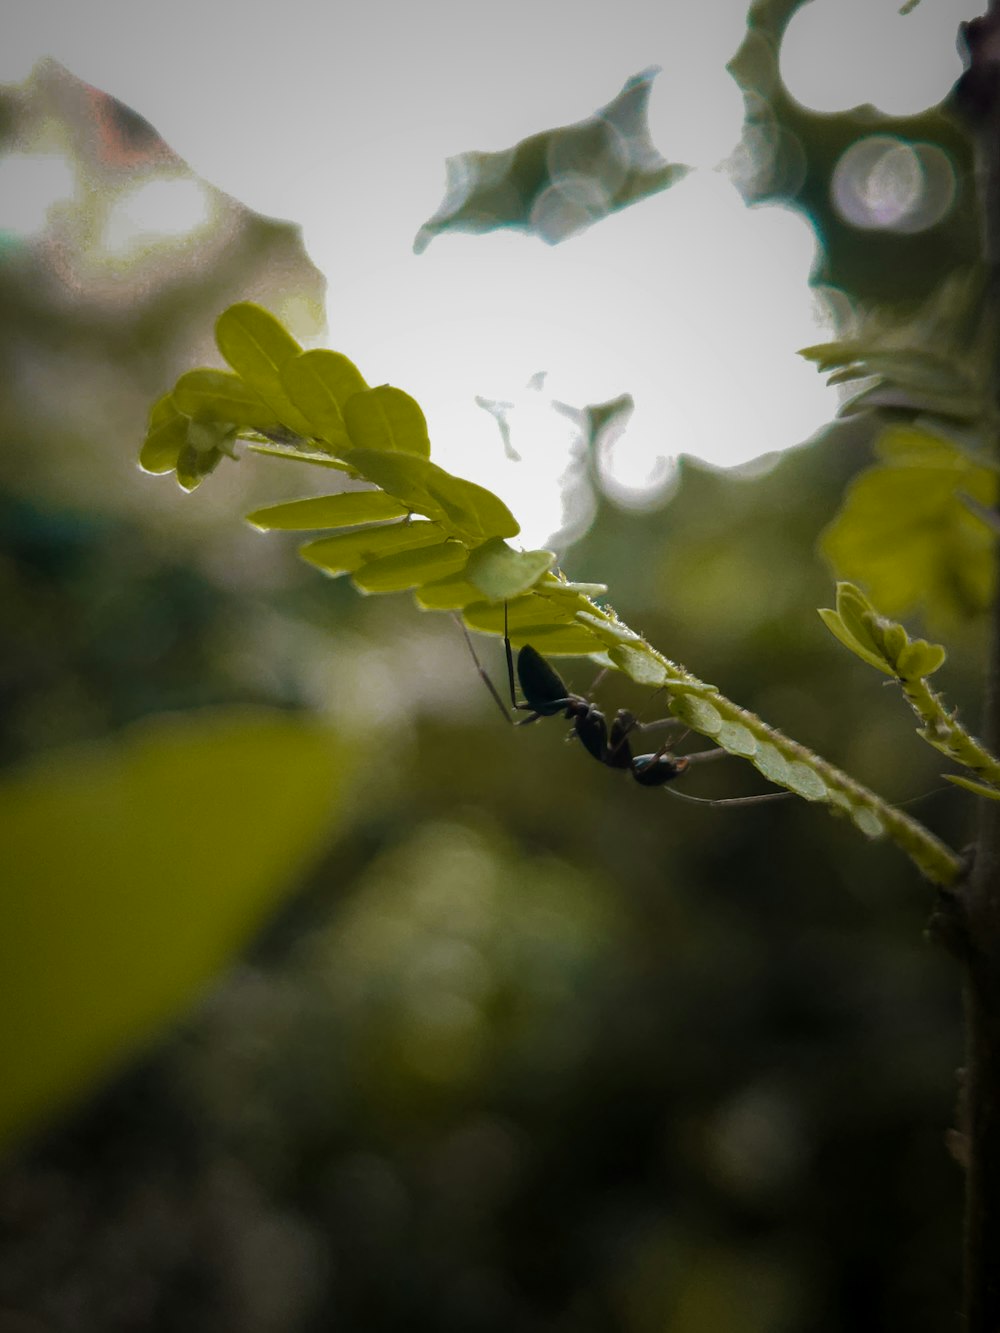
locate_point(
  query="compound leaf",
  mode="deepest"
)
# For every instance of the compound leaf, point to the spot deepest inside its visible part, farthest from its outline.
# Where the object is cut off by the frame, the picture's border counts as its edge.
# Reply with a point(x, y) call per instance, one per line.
point(258, 346)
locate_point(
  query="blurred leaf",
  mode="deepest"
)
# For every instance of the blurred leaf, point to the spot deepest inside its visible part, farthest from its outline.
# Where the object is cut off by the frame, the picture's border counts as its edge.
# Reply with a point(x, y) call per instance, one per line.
point(347, 551)
point(387, 419)
point(595, 166)
point(173, 843)
point(258, 346)
point(905, 532)
point(217, 395)
point(408, 569)
point(328, 511)
point(501, 573)
point(902, 398)
point(978, 788)
point(931, 363)
point(319, 382)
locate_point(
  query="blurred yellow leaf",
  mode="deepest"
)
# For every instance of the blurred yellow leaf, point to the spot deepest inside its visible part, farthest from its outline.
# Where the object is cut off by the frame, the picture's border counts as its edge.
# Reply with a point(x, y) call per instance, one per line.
point(132, 870)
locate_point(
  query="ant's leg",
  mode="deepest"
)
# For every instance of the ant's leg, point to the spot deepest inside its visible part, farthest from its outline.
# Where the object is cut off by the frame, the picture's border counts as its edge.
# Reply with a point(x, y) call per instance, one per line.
point(662, 724)
point(731, 800)
point(597, 682)
point(701, 756)
point(510, 659)
point(619, 751)
point(515, 706)
point(482, 673)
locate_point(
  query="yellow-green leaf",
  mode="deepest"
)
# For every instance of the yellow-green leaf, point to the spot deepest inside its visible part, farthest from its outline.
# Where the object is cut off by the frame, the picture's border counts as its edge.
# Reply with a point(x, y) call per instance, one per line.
point(257, 346)
point(165, 438)
point(979, 788)
point(319, 383)
point(905, 530)
point(839, 630)
point(465, 510)
point(194, 464)
point(346, 551)
point(407, 569)
point(448, 594)
point(328, 511)
point(501, 573)
point(387, 419)
point(299, 456)
point(920, 659)
point(133, 870)
point(217, 395)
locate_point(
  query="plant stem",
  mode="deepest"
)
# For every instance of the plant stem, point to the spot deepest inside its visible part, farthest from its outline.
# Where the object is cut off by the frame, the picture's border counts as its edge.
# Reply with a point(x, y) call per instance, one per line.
point(978, 899)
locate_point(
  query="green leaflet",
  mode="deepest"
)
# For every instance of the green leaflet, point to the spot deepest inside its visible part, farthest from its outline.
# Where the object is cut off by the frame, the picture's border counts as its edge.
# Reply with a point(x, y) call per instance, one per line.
point(466, 511)
point(919, 659)
point(298, 456)
point(347, 551)
point(557, 640)
point(387, 419)
point(258, 346)
point(977, 788)
point(328, 511)
point(450, 593)
point(218, 395)
point(882, 643)
point(319, 382)
point(912, 368)
point(545, 623)
point(193, 467)
point(165, 438)
point(900, 397)
point(523, 613)
point(839, 630)
point(501, 573)
point(408, 569)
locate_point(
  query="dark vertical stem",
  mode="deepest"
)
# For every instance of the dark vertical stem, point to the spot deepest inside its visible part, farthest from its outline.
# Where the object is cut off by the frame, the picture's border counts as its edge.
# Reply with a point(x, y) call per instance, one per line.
point(978, 98)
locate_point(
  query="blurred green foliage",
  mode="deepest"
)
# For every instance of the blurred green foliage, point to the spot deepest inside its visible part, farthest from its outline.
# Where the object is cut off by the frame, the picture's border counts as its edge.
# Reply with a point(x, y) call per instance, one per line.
point(554, 183)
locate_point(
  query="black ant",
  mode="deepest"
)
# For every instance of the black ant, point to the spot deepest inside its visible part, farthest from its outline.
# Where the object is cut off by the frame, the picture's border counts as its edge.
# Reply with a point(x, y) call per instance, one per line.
point(547, 695)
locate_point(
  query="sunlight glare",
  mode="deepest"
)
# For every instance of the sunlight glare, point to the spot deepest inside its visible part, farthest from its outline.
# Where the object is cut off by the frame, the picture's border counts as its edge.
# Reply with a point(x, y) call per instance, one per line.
point(160, 209)
point(31, 185)
point(839, 54)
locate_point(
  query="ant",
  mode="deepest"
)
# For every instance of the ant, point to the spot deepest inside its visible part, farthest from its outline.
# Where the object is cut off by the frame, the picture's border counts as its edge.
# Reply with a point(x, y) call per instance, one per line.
point(547, 695)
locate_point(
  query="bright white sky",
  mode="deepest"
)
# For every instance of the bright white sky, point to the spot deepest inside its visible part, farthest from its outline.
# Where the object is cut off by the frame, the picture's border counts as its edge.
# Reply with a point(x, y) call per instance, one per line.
point(340, 118)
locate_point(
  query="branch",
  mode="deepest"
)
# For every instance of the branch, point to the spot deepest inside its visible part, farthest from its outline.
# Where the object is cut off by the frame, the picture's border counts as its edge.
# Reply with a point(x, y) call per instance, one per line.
point(977, 97)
